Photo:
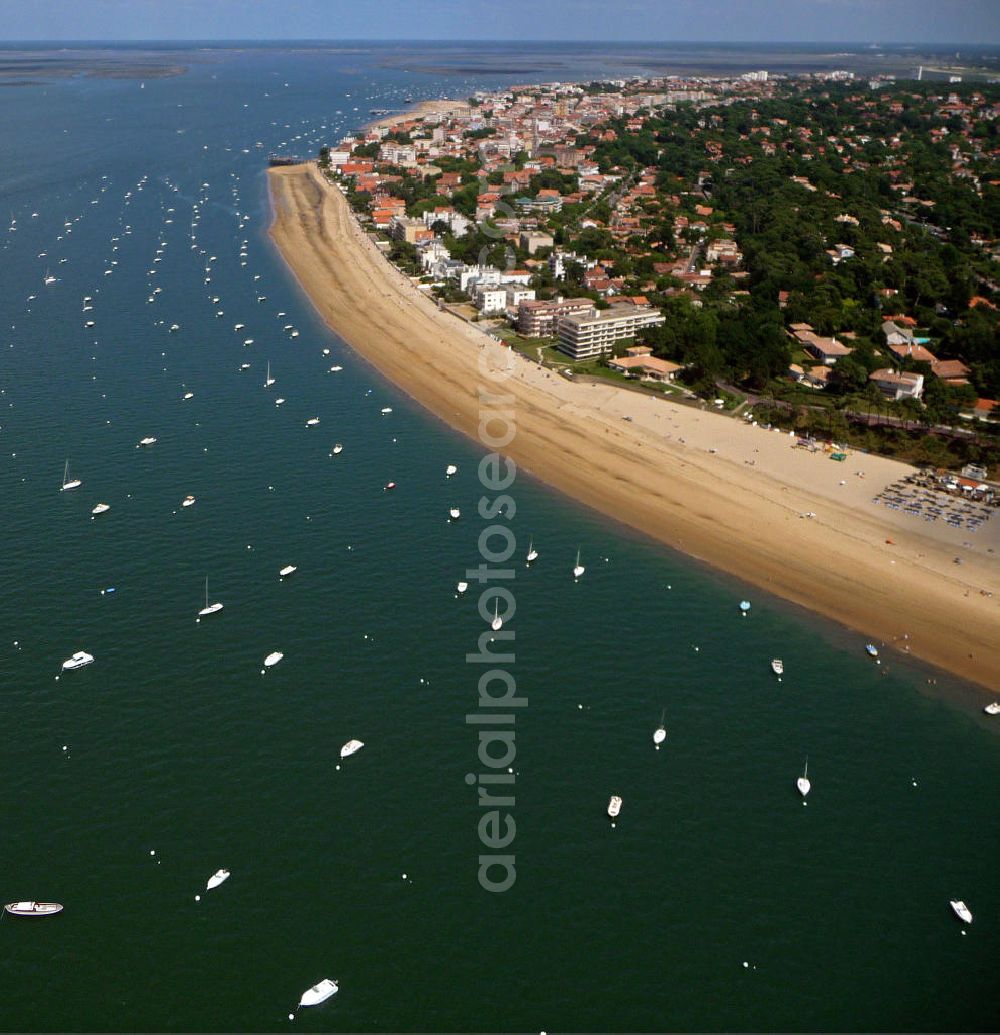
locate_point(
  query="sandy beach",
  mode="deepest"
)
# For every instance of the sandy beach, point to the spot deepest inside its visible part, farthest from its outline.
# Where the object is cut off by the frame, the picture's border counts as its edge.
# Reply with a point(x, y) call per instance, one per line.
point(713, 487)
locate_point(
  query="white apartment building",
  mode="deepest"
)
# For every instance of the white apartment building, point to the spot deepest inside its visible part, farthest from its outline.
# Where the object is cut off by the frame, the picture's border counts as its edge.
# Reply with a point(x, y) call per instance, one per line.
point(588, 335)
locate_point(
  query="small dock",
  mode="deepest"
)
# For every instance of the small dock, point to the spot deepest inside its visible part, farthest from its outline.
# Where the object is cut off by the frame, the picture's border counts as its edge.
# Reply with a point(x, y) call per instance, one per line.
point(273, 159)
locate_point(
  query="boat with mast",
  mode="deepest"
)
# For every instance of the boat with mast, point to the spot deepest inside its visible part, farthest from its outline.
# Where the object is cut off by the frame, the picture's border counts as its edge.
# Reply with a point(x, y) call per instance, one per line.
point(802, 782)
point(578, 568)
point(67, 482)
point(209, 609)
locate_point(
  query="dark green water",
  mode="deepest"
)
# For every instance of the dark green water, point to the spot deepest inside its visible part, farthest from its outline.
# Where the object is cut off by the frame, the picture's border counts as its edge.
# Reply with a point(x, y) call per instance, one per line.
point(176, 744)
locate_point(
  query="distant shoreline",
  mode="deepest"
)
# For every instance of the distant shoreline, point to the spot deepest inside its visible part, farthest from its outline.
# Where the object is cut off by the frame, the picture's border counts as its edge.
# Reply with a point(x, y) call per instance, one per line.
point(893, 584)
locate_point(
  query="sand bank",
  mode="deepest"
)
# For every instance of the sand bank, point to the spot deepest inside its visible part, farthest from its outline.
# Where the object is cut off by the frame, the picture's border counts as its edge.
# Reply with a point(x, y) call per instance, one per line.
point(683, 477)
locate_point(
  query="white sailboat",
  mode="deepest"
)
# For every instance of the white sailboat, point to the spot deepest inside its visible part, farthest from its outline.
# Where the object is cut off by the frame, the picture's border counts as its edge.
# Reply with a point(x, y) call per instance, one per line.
point(268, 381)
point(312, 422)
point(67, 482)
point(578, 568)
point(961, 910)
point(497, 624)
point(209, 609)
point(101, 508)
point(660, 733)
point(319, 993)
point(532, 552)
point(352, 747)
point(803, 783)
point(217, 878)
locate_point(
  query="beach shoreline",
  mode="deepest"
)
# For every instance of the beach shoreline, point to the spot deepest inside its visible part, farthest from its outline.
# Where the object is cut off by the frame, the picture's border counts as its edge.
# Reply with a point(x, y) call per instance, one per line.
point(730, 495)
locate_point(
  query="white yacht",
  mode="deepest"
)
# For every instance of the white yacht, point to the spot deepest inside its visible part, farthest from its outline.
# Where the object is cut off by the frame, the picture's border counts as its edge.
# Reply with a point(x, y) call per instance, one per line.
point(101, 508)
point(67, 482)
point(79, 659)
point(312, 422)
point(450, 470)
point(803, 783)
point(33, 908)
point(337, 448)
point(289, 569)
point(217, 878)
point(454, 513)
point(268, 381)
point(497, 624)
point(209, 609)
point(532, 552)
point(319, 993)
point(386, 409)
point(352, 747)
point(660, 733)
point(993, 709)
point(962, 911)
point(188, 501)
point(462, 587)
point(149, 440)
point(273, 658)
point(578, 568)
point(614, 806)
point(778, 666)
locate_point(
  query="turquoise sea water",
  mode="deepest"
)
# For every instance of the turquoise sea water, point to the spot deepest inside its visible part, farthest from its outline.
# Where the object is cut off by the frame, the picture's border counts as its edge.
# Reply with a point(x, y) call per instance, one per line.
point(176, 744)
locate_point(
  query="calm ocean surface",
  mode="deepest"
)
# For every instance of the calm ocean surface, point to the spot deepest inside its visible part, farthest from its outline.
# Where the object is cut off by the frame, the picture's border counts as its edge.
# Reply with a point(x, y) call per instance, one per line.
point(176, 744)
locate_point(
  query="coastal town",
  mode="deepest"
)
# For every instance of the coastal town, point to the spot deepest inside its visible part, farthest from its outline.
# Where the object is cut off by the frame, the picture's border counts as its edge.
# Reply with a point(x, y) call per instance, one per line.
point(821, 248)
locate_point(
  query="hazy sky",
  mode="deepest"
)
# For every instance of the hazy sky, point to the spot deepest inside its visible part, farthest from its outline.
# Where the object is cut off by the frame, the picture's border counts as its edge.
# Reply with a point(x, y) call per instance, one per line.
point(958, 21)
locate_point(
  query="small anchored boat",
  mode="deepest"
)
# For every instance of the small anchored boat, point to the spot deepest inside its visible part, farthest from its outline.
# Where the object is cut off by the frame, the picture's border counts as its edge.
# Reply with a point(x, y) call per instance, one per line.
point(450, 470)
point(803, 783)
point(578, 568)
point(337, 448)
point(33, 908)
point(188, 501)
point(101, 508)
point(614, 806)
point(961, 910)
point(660, 733)
point(312, 422)
point(532, 552)
point(872, 650)
point(289, 569)
point(149, 440)
point(217, 878)
point(454, 513)
point(777, 666)
point(319, 993)
point(744, 607)
point(993, 709)
point(67, 482)
point(273, 658)
point(79, 659)
point(497, 624)
point(209, 609)
point(462, 587)
point(352, 747)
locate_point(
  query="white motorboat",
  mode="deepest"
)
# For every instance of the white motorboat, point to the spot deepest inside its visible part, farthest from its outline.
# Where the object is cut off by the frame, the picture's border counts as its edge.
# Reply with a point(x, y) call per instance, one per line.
point(48, 278)
point(454, 513)
point(962, 911)
point(268, 381)
point(174, 327)
point(497, 624)
point(744, 607)
point(614, 806)
point(289, 569)
point(217, 878)
point(462, 587)
point(532, 552)
point(993, 709)
point(273, 658)
point(101, 508)
point(33, 908)
point(450, 470)
point(188, 395)
point(872, 650)
point(352, 747)
point(188, 501)
point(209, 609)
point(247, 342)
point(338, 448)
point(312, 422)
point(336, 368)
point(386, 409)
point(803, 783)
point(149, 440)
point(319, 993)
point(67, 482)
point(278, 402)
point(778, 666)
point(79, 659)
point(578, 568)
point(244, 366)
point(660, 733)
point(389, 486)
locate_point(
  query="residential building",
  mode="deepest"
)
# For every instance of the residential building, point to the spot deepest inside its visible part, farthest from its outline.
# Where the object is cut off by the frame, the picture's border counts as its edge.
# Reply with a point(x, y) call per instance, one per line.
point(538, 319)
point(905, 385)
point(588, 335)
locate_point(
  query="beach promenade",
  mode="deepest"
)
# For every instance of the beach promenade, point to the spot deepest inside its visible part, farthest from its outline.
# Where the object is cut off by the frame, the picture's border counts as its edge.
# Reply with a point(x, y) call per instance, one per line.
point(735, 496)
